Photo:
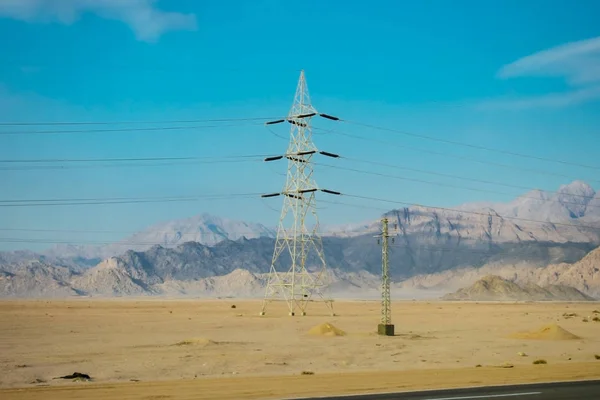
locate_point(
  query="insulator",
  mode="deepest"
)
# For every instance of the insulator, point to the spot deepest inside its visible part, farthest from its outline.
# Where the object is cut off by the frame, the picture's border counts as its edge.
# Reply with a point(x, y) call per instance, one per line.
point(329, 117)
point(307, 190)
point(305, 115)
point(275, 122)
point(328, 154)
point(274, 158)
point(270, 195)
point(305, 153)
point(295, 159)
point(330, 192)
point(296, 123)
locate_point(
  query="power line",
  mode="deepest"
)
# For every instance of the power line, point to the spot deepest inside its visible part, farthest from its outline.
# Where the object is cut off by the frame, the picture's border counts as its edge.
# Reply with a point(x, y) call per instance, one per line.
point(464, 158)
point(94, 166)
point(32, 202)
point(118, 200)
point(15, 165)
point(329, 233)
point(453, 186)
point(238, 232)
point(473, 146)
point(250, 119)
point(386, 210)
point(234, 158)
point(143, 122)
point(106, 201)
point(84, 231)
point(79, 160)
point(165, 128)
point(460, 177)
point(248, 158)
point(433, 248)
point(471, 212)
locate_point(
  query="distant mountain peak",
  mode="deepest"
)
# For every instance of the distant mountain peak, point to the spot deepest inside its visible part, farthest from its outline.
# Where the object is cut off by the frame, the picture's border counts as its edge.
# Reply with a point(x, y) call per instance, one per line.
point(204, 228)
point(567, 212)
point(538, 194)
point(575, 197)
point(577, 187)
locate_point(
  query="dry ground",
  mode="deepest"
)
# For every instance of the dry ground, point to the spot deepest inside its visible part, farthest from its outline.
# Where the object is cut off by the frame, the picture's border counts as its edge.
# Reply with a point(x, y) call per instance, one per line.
point(176, 349)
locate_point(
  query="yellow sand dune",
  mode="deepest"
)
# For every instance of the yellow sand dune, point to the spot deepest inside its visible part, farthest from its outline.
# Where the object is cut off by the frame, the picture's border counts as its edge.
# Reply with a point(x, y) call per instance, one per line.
point(548, 332)
point(326, 329)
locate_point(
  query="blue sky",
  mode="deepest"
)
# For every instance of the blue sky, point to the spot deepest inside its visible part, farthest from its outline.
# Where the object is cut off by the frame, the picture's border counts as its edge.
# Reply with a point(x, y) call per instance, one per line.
point(487, 73)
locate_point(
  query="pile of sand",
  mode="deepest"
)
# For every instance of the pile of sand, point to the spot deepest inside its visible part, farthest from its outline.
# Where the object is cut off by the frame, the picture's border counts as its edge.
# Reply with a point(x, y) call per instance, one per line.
point(326, 329)
point(195, 342)
point(548, 332)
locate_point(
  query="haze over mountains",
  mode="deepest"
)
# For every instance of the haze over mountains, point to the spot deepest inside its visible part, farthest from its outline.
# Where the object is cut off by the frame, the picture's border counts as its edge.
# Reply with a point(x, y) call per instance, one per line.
point(199, 254)
point(495, 288)
point(567, 212)
point(206, 229)
point(583, 275)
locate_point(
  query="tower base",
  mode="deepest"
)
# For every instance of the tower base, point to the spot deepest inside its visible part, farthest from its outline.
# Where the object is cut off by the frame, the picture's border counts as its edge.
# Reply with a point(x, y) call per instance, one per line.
point(385, 330)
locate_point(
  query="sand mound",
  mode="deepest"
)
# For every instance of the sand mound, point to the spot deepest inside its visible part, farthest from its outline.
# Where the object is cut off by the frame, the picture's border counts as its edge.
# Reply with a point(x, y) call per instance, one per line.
point(548, 332)
point(195, 342)
point(326, 329)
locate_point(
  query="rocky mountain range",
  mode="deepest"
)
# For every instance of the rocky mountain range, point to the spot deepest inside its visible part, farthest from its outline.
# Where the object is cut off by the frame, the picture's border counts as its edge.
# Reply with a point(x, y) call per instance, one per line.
point(571, 214)
point(432, 246)
point(238, 268)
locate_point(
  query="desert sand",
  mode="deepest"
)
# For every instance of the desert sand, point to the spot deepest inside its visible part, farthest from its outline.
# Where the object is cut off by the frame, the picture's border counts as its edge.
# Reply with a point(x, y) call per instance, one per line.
point(202, 349)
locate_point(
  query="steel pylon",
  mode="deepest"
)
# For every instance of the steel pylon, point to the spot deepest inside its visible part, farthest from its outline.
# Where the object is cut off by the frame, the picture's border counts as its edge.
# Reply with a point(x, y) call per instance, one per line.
point(298, 237)
point(385, 326)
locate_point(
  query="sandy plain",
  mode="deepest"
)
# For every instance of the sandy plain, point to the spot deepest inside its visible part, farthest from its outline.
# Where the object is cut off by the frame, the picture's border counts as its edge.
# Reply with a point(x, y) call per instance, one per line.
point(205, 349)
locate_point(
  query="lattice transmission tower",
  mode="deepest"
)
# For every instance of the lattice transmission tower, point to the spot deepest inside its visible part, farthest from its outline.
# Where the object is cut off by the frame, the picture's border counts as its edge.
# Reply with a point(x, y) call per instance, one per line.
point(385, 326)
point(299, 242)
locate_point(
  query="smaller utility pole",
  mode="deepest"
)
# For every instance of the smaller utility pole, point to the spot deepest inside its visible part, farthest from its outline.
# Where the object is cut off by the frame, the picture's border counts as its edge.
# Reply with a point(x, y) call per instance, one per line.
point(385, 326)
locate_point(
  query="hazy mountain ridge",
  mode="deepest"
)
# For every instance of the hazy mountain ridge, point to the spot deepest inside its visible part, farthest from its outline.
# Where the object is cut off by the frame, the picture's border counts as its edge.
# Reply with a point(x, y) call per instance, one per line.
point(432, 249)
point(583, 275)
point(495, 288)
point(196, 268)
point(35, 279)
point(206, 229)
point(567, 215)
point(114, 278)
point(24, 256)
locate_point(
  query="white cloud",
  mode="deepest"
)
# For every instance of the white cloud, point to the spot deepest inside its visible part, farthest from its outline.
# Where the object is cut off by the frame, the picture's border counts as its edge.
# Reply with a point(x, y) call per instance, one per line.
point(551, 100)
point(577, 63)
point(147, 22)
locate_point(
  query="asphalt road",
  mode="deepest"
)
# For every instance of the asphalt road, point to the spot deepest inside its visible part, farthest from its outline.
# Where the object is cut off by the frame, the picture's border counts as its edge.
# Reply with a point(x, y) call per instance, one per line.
point(585, 390)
